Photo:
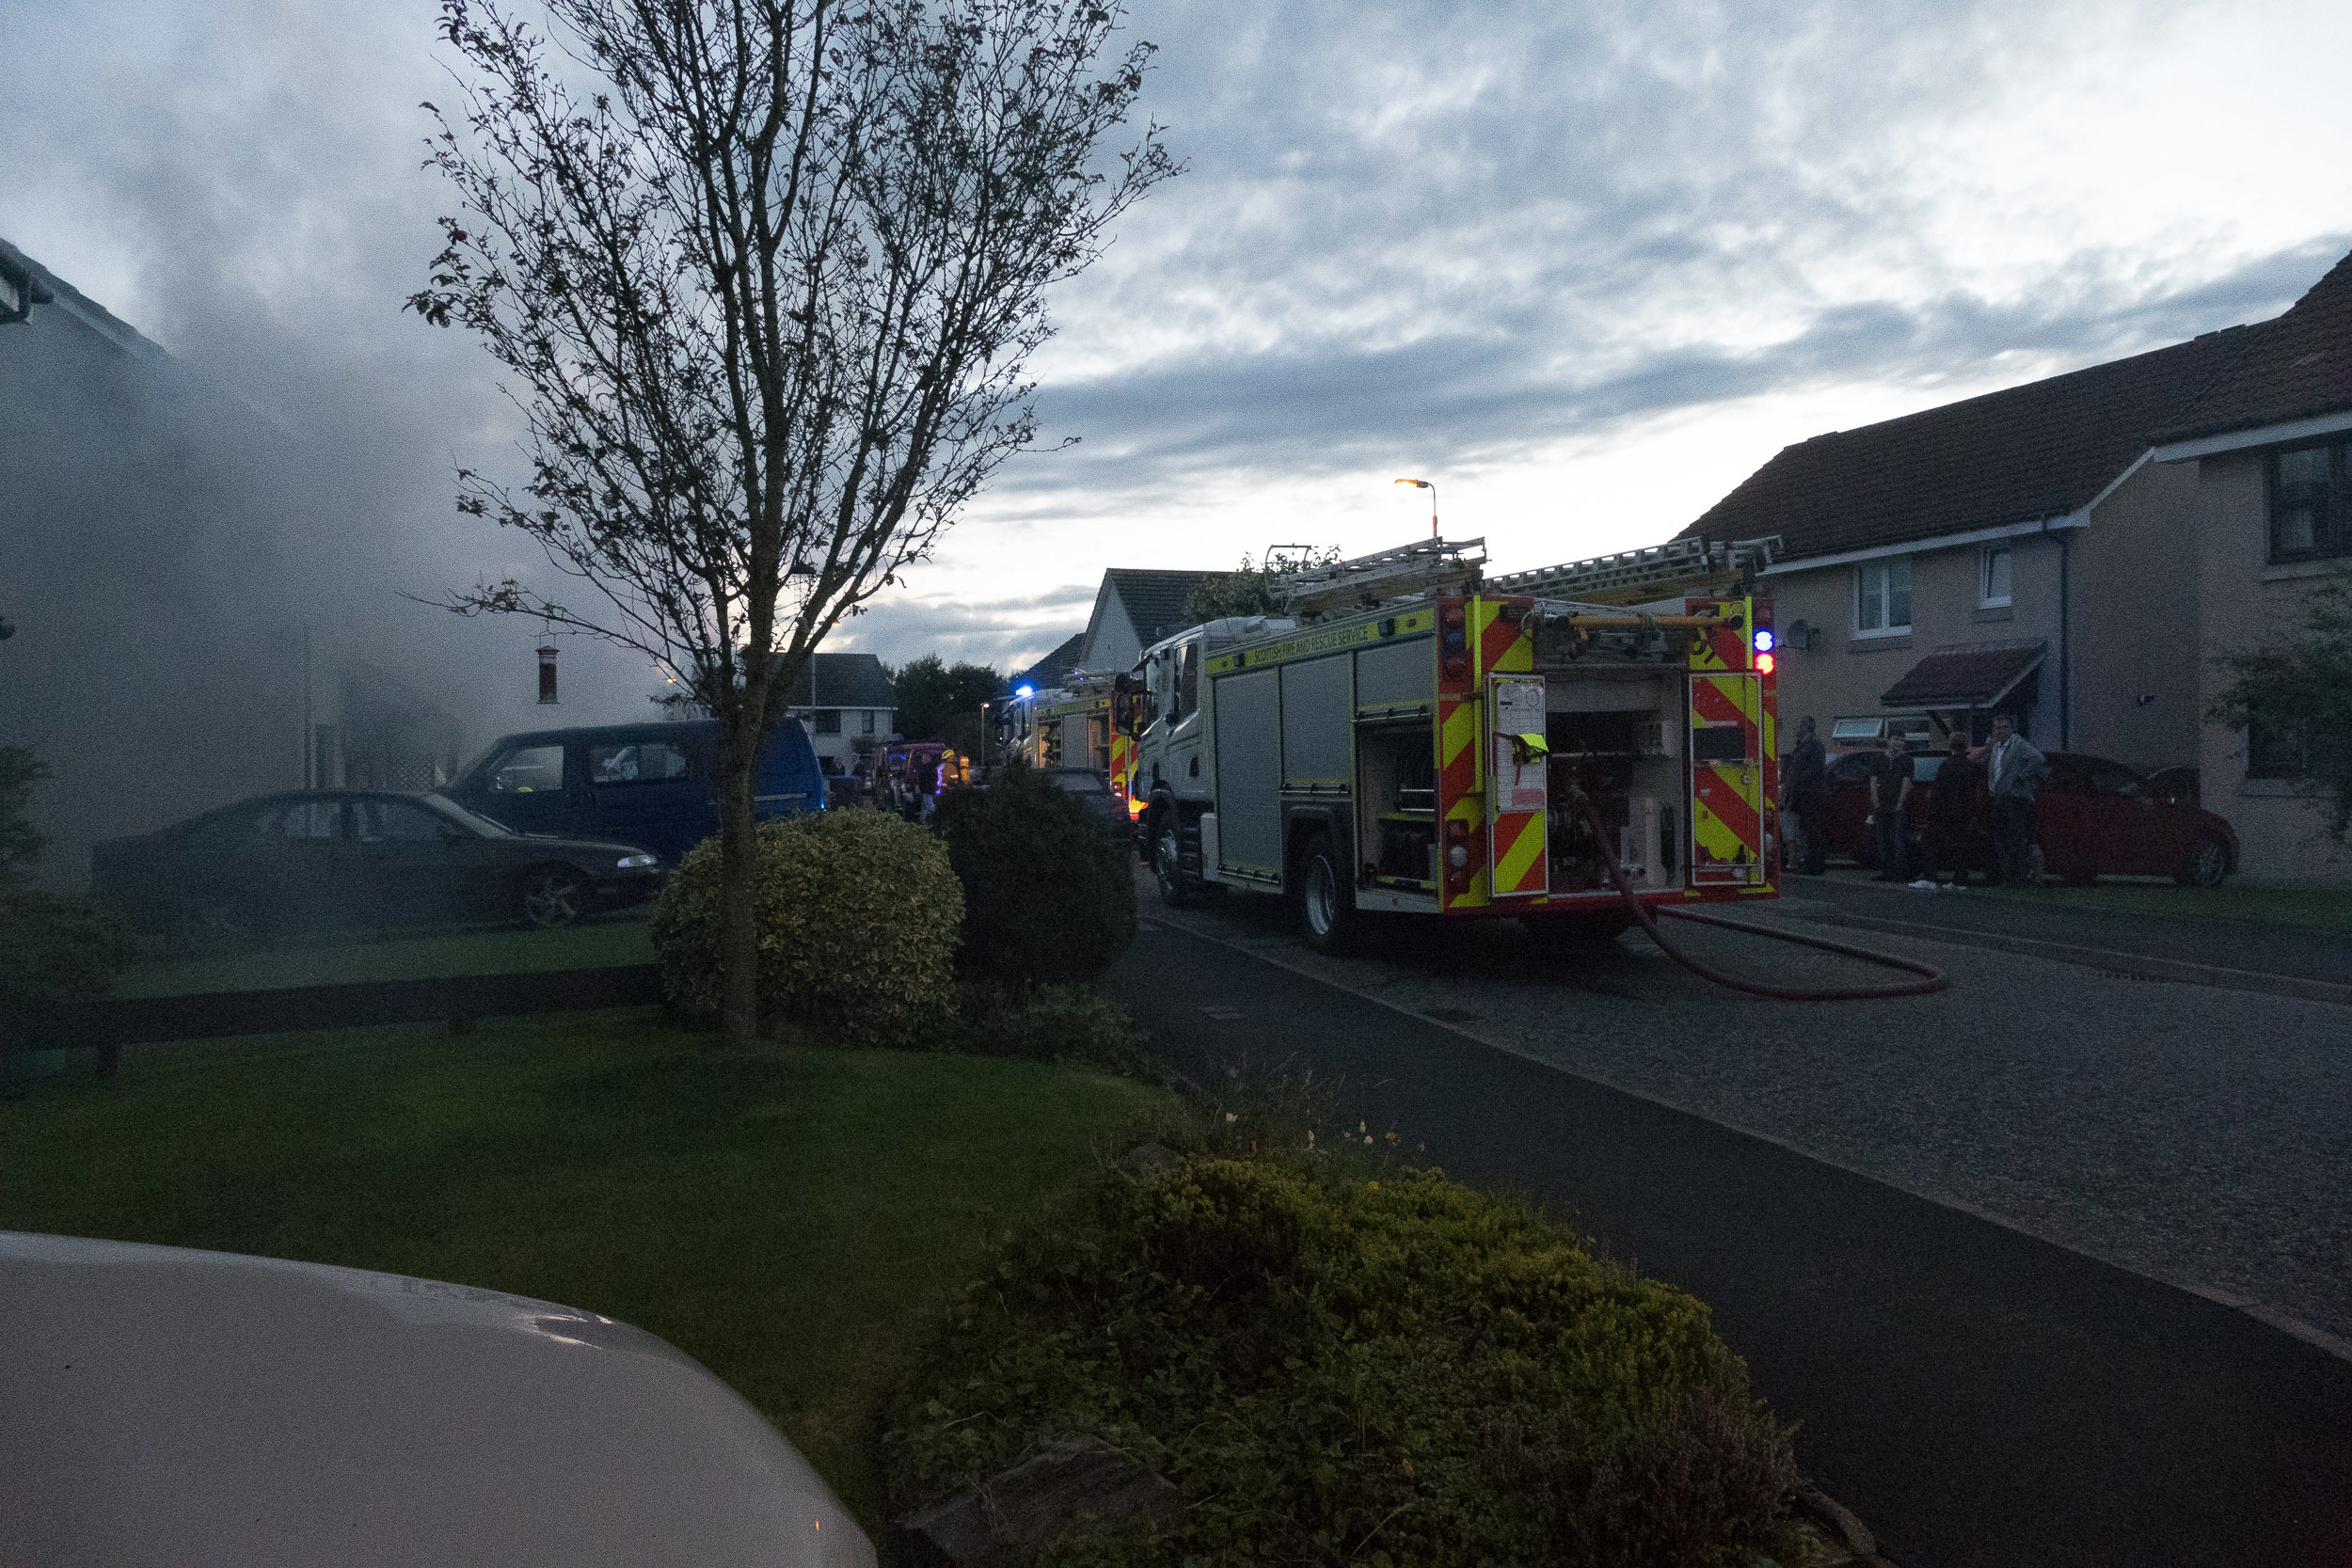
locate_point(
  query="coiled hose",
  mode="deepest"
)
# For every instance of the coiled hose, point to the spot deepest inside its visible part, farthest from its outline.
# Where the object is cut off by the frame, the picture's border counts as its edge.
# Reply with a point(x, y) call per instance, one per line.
point(1930, 978)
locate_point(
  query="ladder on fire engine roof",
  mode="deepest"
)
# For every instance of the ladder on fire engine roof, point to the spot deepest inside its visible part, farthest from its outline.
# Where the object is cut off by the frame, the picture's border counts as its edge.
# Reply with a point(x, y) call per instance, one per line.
point(1635, 577)
point(1087, 683)
point(1424, 566)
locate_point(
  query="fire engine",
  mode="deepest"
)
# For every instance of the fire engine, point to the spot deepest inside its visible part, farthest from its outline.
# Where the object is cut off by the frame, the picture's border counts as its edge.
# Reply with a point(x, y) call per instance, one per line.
point(1416, 738)
point(1072, 725)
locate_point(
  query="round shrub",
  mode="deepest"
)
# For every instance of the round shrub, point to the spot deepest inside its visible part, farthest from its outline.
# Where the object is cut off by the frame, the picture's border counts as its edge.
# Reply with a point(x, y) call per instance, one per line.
point(1048, 897)
point(1396, 1370)
point(857, 916)
point(52, 948)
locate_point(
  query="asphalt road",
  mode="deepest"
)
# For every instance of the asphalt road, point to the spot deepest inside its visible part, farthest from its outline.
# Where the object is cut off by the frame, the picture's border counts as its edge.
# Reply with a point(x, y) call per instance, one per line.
point(1873, 1198)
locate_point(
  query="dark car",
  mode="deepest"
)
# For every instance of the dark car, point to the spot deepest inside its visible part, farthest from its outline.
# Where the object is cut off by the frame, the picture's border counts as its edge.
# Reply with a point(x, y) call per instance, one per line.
point(1093, 787)
point(2092, 817)
point(323, 859)
point(652, 784)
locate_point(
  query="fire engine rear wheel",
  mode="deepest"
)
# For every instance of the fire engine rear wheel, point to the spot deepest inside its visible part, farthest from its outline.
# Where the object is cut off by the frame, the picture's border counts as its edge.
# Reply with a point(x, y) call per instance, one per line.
point(1326, 904)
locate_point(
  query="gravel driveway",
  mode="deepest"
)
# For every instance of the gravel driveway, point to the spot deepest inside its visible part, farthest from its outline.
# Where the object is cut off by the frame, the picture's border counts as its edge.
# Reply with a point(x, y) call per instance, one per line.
point(2197, 1136)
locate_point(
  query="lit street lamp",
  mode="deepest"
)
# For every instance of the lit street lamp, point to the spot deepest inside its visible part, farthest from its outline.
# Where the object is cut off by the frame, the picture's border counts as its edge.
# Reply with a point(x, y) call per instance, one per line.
point(1424, 484)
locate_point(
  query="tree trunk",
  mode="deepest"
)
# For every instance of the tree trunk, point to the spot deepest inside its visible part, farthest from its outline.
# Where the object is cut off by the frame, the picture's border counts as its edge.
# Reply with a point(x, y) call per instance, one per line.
point(739, 923)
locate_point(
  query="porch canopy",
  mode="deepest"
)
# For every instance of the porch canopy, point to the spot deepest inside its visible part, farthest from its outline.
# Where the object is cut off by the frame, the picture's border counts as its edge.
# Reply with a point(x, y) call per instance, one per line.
point(1964, 678)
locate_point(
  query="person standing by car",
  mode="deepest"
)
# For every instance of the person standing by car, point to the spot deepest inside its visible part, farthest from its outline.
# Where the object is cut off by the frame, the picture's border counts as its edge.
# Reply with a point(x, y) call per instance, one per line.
point(2011, 769)
point(1951, 823)
point(1808, 796)
point(1890, 807)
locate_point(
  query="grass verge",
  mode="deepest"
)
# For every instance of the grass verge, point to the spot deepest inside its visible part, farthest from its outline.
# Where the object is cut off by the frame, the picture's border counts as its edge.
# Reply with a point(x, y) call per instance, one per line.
point(615, 939)
point(793, 1219)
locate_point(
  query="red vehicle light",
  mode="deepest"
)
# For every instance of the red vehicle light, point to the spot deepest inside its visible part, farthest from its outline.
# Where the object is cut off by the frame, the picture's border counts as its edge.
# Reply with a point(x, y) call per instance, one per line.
point(1764, 665)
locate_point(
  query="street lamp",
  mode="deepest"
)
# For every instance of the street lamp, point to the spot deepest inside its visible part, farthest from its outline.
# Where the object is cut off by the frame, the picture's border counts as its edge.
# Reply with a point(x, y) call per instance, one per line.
point(1424, 484)
point(984, 741)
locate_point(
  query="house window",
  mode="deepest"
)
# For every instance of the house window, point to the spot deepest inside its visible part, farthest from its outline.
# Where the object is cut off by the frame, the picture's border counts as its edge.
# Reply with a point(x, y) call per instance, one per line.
point(828, 720)
point(866, 722)
point(1883, 598)
point(1992, 578)
point(2310, 502)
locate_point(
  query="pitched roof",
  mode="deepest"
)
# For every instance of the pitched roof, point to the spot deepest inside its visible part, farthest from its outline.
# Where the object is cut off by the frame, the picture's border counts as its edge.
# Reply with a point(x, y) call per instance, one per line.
point(1964, 677)
point(2292, 367)
point(1047, 671)
point(845, 680)
point(1154, 600)
point(2014, 456)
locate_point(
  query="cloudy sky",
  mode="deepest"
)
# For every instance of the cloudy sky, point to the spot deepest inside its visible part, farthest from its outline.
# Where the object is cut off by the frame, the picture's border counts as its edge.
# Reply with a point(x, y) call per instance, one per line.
point(1584, 266)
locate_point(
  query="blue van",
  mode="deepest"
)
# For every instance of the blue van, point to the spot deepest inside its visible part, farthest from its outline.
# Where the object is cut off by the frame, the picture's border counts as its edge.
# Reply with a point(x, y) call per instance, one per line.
point(650, 785)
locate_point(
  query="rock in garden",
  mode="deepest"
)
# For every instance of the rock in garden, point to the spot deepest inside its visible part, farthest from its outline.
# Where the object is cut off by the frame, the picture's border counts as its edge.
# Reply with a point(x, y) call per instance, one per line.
point(1146, 1161)
point(1074, 1483)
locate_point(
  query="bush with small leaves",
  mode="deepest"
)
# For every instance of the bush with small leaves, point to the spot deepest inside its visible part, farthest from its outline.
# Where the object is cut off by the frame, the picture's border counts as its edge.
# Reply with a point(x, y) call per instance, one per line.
point(858, 913)
point(1335, 1367)
point(53, 948)
point(1048, 897)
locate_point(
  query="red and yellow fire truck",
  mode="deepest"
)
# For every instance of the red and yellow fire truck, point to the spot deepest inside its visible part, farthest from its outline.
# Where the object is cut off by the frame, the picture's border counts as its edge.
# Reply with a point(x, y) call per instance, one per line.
point(1071, 726)
point(1417, 737)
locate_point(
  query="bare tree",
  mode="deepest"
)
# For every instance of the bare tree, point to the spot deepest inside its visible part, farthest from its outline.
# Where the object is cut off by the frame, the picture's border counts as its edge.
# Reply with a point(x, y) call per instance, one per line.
point(766, 275)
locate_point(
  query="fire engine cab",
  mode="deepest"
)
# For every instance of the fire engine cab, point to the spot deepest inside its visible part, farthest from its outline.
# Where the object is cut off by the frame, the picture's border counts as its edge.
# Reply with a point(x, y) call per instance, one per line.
point(1418, 738)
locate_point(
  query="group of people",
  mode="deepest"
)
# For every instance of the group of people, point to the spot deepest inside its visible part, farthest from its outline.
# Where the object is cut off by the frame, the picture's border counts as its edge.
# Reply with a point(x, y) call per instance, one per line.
point(1997, 776)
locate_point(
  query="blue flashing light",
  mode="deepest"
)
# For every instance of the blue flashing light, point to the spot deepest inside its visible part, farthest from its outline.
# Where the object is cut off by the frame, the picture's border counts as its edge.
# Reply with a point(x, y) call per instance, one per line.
point(1024, 690)
point(1763, 640)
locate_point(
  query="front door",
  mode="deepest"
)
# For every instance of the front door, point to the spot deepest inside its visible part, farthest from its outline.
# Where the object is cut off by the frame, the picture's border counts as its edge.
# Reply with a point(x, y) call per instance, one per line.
point(1727, 780)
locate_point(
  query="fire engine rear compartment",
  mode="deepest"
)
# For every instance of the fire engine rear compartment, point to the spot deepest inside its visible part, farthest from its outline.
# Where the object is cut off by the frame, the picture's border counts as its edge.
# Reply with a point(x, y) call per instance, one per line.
point(1613, 734)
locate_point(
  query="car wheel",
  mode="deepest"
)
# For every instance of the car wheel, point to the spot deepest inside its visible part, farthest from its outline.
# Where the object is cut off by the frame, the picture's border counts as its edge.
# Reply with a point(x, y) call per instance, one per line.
point(1326, 902)
point(553, 897)
point(2208, 864)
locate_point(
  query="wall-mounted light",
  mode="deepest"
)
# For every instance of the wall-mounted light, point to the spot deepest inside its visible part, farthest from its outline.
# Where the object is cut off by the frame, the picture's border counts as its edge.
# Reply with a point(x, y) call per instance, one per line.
point(1799, 635)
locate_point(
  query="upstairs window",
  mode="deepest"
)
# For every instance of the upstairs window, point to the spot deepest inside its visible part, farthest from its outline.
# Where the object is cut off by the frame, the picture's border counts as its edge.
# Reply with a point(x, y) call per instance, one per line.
point(1992, 578)
point(2310, 502)
point(866, 722)
point(1883, 598)
point(828, 720)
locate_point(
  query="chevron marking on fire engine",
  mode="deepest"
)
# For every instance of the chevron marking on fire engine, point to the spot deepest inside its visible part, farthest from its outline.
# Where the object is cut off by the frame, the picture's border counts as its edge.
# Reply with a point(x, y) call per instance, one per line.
point(1520, 868)
point(1459, 755)
point(1503, 645)
point(1730, 814)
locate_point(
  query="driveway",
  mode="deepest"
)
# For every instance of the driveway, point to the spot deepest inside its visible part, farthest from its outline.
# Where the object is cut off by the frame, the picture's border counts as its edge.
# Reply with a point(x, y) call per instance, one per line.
point(1947, 1230)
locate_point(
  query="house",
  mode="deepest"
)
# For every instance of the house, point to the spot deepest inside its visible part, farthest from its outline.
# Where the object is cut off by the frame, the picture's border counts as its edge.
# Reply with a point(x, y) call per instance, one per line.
point(845, 702)
point(1996, 555)
point(2266, 448)
point(1134, 608)
point(2072, 552)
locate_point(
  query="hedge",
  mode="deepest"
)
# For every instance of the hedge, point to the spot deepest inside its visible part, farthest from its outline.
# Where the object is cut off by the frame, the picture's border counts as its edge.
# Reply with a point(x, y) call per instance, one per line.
point(52, 948)
point(1390, 1369)
point(1048, 897)
point(858, 914)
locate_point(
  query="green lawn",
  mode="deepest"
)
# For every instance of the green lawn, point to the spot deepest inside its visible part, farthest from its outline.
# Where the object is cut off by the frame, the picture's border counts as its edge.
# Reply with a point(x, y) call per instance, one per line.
point(2309, 908)
point(792, 1219)
point(624, 938)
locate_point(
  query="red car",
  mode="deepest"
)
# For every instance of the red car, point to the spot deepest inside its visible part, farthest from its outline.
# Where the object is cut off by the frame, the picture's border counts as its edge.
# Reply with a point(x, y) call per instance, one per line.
point(2092, 819)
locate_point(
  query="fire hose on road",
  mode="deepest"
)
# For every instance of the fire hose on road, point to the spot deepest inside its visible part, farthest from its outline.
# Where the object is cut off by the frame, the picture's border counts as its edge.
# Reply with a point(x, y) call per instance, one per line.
point(1930, 978)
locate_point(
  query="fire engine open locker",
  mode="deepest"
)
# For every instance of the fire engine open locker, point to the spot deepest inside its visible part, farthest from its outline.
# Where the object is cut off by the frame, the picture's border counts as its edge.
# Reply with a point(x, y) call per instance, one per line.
point(1424, 740)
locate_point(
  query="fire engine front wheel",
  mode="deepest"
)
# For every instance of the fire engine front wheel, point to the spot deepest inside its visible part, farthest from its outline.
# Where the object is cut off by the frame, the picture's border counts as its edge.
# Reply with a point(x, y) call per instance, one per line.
point(1168, 864)
point(1326, 904)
